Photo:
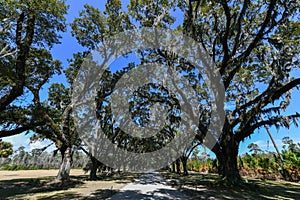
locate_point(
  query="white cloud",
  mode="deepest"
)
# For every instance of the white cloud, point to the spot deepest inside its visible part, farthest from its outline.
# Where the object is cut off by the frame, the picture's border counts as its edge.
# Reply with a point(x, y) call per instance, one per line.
point(261, 143)
point(41, 144)
point(18, 140)
point(268, 145)
point(24, 140)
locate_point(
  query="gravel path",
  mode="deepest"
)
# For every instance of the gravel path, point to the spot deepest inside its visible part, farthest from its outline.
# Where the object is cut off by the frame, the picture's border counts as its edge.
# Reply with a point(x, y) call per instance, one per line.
point(149, 186)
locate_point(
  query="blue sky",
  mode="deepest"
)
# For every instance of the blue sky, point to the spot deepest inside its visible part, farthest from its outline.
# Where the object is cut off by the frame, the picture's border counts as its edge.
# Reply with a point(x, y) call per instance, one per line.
point(69, 46)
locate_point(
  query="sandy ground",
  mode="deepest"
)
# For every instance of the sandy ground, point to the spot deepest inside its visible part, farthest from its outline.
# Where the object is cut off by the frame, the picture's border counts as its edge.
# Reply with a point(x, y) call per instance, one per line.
point(19, 185)
point(9, 175)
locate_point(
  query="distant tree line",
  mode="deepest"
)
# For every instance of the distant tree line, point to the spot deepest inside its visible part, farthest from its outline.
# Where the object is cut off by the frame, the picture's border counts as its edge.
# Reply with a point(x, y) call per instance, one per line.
point(39, 159)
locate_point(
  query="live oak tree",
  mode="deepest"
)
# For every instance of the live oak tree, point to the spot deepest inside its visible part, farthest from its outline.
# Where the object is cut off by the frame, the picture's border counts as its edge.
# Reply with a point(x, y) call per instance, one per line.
point(253, 44)
point(34, 28)
point(90, 29)
point(48, 119)
point(186, 155)
point(28, 30)
point(71, 72)
point(58, 125)
point(89, 35)
point(56, 113)
point(255, 47)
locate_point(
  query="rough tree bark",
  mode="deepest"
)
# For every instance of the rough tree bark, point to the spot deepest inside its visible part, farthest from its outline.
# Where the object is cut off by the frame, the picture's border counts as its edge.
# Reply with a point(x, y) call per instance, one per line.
point(178, 166)
point(173, 167)
point(65, 167)
point(94, 167)
point(184, 164)
point(226, 153)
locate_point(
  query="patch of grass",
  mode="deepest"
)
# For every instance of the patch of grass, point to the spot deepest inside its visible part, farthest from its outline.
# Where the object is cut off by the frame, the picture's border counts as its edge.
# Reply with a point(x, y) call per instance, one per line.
point(206, 186)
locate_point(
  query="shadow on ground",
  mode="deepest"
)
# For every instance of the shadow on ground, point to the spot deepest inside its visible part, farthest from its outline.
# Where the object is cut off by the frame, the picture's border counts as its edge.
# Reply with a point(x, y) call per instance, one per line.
point(159, 194)
point(99, 194)
point(197, 186)
point(10, 188)
point(209, 186)
point(120, 178)
point(18, 188)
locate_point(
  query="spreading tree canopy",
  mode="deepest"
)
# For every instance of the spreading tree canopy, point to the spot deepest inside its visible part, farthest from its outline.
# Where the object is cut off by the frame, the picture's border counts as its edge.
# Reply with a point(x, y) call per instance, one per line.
point(253, 44)
point(28, 29)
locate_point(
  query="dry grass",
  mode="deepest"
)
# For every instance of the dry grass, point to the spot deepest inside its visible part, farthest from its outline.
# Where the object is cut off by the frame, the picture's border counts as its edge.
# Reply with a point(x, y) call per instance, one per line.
point(210, 186)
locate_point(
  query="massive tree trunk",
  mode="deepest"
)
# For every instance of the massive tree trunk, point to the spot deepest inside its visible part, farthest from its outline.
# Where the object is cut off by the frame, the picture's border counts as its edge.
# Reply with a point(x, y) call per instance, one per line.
point(94, 167)
point(226, 154)
point(184, 164)
point(65, 167)
point(173, 167)
point(178, 166)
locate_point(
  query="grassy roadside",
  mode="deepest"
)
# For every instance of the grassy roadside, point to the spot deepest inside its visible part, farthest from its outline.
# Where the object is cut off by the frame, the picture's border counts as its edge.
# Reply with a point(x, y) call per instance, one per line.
point(209, 186)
